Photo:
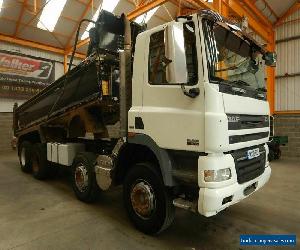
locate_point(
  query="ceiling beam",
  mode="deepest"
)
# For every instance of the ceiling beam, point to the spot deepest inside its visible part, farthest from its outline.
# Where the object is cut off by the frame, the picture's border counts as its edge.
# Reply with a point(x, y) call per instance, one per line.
point(200, 4)
point(250, 4)
point(85, 11)
point(20, 17)
point(78, 45)
point(35, 15)
point(218, 5)
point(239, 10)
point(142, 9)
point(270, 8)
point(31, 26)
point(36, 45)
point(140, 2)
point(84, 3)
point(254, 24)
point(290, 11)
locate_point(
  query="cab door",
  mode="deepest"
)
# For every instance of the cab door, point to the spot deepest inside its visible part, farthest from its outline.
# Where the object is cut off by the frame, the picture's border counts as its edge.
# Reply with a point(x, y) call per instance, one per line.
point(171, 118)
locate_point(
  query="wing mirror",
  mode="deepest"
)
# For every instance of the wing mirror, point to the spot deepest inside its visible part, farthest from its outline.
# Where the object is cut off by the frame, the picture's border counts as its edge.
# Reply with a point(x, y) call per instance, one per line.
point(175, 57)
point(270, 59)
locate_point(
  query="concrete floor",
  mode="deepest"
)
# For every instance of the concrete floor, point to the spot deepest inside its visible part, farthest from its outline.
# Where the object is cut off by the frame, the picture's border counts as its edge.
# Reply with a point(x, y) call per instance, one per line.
point(46, 215)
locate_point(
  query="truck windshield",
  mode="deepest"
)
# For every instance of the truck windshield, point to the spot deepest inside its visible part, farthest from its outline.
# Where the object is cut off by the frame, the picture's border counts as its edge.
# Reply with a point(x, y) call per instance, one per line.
point(231, 59)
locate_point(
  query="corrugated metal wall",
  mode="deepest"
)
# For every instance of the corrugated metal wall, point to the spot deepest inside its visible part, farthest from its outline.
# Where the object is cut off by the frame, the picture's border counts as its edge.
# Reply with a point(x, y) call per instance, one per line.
point(287, 89)
point(7, 104)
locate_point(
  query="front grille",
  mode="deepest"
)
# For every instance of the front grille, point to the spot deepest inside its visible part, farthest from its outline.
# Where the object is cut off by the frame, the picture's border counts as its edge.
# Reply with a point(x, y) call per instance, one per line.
point(248, 137)
point(237, 121)
point(246, 169)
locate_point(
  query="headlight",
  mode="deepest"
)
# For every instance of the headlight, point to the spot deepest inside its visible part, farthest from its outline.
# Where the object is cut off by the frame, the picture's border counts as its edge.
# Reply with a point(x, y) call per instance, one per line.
point(217, 175)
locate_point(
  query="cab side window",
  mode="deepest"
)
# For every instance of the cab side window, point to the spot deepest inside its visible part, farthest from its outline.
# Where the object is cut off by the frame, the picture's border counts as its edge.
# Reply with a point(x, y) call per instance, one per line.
point(157, 74)
point(156, 65)
point(191, 53)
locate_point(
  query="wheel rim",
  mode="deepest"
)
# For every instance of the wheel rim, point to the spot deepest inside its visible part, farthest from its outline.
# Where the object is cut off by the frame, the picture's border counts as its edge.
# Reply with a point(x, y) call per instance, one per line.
point(23, 157)
point(81, 177)
point(143, 199)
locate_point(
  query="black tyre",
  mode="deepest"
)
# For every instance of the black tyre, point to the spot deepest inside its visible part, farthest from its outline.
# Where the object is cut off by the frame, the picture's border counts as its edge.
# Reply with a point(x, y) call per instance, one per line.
point(84, 178)
point(271, 155)
point(24, 153)
point(278, 154)
point(148, 202)
point(40, 167)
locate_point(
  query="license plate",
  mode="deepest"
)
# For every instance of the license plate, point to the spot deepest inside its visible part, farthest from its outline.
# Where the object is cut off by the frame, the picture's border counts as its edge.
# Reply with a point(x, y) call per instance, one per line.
point(253, 153)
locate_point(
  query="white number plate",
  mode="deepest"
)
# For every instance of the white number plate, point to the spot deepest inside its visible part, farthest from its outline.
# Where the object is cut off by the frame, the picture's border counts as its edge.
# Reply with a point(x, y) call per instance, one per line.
point(253, 153)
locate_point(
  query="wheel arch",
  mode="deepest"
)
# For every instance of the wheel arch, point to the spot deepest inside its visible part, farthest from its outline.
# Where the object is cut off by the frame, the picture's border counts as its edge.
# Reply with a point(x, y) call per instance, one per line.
point(33, 137)
point(141, 148)
point(76, 127)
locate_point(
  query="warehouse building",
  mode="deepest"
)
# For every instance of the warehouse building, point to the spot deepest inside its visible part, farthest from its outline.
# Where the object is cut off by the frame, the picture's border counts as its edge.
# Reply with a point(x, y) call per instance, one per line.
point(195, 65)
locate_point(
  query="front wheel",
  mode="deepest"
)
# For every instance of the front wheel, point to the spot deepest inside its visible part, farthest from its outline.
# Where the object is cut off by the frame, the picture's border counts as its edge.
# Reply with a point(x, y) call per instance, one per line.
point(148, 202)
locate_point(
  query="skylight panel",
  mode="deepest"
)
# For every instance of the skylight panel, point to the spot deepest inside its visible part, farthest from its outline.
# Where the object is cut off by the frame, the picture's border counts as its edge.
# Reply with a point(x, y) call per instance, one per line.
point(86, 33)
point(50, 14)
point(147, 16)
point(108, 5)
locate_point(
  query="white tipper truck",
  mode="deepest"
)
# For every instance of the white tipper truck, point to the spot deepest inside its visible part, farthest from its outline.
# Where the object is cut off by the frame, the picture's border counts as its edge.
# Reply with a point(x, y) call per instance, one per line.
point(177, 114)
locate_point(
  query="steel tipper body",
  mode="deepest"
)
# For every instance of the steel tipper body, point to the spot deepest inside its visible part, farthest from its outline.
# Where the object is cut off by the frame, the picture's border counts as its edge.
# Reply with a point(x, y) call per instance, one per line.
point(176, 114)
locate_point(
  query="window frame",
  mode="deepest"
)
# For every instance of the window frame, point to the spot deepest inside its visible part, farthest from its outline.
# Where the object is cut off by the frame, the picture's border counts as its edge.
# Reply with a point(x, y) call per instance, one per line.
point(189, 84)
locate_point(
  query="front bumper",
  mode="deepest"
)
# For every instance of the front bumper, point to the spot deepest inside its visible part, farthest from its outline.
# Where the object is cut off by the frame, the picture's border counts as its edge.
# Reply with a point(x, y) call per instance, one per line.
point(211, 199)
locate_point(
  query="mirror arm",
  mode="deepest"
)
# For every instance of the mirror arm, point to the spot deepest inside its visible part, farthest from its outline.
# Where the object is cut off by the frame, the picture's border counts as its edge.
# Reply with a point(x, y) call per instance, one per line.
point(192, 93)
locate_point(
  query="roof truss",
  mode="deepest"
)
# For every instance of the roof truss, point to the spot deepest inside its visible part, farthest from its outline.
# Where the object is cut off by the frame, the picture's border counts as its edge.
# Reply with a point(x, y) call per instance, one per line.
point(290, 11)
point(23, 8)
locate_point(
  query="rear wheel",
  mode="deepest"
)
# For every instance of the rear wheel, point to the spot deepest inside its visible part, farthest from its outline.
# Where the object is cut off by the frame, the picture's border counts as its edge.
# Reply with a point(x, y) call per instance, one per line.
point(148, 202)
point(84, 178)
point(40, 167)
point(24, 153)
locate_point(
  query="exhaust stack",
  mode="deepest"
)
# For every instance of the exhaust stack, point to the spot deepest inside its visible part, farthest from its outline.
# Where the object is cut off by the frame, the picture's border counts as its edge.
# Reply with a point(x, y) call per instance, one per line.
point(125, 78)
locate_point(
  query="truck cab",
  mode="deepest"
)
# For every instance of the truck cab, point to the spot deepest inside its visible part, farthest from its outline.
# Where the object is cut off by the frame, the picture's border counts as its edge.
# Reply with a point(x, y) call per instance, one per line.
point(199, 92)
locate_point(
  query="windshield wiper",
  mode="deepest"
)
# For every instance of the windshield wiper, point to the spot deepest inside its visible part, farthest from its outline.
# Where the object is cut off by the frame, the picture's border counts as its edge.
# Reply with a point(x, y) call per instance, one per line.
point(263, 89)
point(240, 83)
point(237, 82)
